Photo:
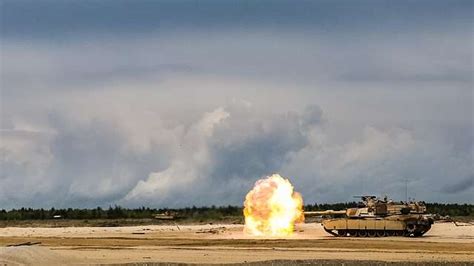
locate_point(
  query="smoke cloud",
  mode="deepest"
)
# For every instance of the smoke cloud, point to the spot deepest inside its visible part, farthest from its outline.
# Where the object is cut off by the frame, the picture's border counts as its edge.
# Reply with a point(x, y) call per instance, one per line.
point(193, 108)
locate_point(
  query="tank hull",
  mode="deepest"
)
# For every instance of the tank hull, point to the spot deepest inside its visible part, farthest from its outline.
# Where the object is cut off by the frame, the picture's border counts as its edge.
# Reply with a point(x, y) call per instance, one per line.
point(378, 227)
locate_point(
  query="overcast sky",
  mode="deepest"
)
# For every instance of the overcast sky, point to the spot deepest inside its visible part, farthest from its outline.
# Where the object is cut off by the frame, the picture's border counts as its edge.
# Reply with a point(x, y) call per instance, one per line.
point(181, 103)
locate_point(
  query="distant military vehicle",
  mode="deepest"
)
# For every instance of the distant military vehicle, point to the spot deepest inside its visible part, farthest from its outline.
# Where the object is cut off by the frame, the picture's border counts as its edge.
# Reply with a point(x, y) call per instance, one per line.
point(167, 215)
point(377, 218)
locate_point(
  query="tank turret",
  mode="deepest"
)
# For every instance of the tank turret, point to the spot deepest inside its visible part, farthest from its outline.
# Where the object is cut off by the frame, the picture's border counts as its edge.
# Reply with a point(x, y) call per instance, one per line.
point(376, 218)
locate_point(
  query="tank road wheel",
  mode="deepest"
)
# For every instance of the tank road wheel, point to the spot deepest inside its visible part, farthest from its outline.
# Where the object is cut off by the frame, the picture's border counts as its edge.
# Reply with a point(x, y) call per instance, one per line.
point(411, 229)
point(392, 233)
point(362, 233)
point(400, 233)
point(371, 233)
point(353, 233)
point(341, 233)
point(381, 233)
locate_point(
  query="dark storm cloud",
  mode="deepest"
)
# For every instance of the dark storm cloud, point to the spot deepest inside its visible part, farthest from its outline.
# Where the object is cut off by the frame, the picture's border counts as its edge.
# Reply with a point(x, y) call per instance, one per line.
point(126, 72)
point(249, 157)
point(57, 67)
point(368, 74)
point(263, 149)
point(461, 186)
point(56, 18)
point(260, 150)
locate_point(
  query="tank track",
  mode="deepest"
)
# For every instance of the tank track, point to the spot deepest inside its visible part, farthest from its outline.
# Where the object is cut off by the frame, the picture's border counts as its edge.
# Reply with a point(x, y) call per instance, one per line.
point(409, 232)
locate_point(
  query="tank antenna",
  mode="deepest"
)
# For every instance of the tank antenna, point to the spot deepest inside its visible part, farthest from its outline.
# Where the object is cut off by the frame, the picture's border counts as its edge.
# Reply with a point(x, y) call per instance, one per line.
point(406, 189)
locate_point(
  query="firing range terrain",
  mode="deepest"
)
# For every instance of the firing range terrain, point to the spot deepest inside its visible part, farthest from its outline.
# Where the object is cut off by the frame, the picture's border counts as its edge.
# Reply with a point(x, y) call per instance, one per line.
point(445, 243)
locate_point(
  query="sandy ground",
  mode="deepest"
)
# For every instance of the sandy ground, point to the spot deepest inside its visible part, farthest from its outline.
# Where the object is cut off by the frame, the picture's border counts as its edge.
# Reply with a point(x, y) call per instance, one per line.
point(207, 244)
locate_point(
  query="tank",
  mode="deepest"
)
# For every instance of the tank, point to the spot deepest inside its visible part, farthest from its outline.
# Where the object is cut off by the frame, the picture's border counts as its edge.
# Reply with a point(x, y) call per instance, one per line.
point(377, 218)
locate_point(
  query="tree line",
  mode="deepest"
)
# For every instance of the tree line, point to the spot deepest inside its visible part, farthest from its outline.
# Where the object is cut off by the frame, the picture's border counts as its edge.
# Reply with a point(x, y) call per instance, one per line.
point(212, 212)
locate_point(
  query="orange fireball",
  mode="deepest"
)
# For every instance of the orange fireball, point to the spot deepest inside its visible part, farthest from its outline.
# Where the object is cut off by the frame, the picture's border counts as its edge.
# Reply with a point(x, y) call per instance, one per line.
point(272, 208)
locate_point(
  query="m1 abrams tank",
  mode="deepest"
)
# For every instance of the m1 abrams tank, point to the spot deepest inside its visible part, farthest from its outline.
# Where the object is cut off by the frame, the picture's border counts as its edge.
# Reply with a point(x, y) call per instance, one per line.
point(377, 218)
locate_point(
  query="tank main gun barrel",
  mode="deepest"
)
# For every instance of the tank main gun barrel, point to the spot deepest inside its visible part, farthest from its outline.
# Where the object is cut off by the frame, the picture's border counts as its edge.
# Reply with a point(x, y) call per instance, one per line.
point(327, 212)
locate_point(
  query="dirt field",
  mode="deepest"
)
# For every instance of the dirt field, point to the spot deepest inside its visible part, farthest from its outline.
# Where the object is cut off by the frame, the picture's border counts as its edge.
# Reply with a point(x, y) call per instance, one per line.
point(445, 243)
